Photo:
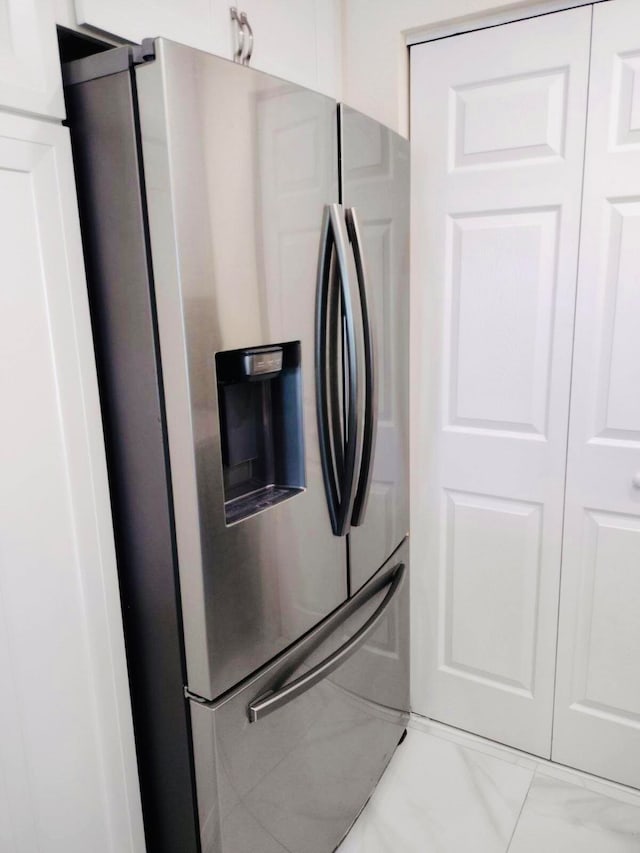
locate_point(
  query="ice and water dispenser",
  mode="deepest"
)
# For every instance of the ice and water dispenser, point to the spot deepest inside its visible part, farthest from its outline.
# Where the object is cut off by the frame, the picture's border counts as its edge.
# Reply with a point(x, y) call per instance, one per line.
point(261, 427)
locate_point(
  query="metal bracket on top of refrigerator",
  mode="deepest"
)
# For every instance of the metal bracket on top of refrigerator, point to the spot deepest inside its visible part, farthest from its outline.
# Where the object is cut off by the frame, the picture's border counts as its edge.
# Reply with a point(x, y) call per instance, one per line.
point(243, 36)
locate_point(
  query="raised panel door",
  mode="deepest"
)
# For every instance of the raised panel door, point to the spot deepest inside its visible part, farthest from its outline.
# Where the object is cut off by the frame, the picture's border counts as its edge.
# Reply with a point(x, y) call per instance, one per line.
point(498, 122)
point(597, 710)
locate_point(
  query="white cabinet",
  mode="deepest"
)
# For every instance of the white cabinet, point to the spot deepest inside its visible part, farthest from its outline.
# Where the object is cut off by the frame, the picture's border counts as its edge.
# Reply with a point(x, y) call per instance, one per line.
point(298, 40)
point(68, 780)
point(204, 24)
point(29, 65)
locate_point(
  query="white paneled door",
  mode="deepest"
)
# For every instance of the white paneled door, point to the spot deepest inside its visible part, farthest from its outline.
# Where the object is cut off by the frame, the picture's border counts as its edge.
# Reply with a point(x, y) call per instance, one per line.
point(498, 131)
point(597, 718)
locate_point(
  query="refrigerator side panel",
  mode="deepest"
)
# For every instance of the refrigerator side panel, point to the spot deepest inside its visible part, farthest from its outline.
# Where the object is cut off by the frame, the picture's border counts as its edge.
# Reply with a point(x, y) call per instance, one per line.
point(297, 778)
point(375, 181)
point(104, 138)
point(239, 166)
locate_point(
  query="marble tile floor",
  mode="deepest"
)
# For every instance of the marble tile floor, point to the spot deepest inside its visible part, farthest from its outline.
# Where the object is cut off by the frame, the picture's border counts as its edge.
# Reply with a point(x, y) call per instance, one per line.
point(447, 792)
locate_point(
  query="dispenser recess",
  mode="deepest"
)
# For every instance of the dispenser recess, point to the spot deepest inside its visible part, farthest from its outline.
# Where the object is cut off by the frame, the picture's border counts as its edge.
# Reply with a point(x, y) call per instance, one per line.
point(261, 428)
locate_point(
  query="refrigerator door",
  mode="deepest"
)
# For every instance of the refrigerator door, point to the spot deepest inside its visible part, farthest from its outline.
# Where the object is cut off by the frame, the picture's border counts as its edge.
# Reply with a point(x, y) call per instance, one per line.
point(239, 167)
point(329, 717)
point(375, 194)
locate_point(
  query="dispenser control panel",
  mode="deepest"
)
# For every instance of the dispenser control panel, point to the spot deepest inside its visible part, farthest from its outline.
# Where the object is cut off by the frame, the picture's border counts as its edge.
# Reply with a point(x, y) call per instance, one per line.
point(258, 362)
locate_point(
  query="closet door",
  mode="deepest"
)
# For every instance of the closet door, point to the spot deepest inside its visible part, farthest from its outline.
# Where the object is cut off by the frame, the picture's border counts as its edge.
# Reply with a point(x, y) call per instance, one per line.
point(597, 718)
point(498, 124)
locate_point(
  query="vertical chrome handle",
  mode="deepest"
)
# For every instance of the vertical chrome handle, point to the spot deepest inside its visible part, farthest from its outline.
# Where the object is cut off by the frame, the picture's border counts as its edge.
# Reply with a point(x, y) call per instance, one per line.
point(371, 375)
point(353, 422)
point(239, 34)
point(336, 372)
point(242, 30)
point(244, 23)
point(340, 497)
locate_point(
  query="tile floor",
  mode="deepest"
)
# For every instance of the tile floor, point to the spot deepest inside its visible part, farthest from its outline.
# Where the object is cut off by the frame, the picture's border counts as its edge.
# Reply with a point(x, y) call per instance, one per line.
point(447, 792)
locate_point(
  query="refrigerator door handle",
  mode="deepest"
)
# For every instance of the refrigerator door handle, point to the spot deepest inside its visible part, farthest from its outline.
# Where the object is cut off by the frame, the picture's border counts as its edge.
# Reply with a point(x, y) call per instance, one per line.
point(323, 294)
point(269, 702)
point(336, 373)
point(371, 376)
point(340, 495)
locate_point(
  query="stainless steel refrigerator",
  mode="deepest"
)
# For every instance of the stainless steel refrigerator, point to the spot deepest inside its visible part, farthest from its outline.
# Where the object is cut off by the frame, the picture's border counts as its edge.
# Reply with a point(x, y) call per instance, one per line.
point(246, 244)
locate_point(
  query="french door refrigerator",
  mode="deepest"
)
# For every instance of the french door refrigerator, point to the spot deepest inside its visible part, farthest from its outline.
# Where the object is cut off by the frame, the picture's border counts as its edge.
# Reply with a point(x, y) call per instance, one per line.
point(246, 251)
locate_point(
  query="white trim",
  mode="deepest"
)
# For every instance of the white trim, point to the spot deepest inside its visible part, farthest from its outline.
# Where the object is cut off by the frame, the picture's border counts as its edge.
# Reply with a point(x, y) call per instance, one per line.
point(543, 766)
point(455, 27)
point(59, 601)
point(79, 405)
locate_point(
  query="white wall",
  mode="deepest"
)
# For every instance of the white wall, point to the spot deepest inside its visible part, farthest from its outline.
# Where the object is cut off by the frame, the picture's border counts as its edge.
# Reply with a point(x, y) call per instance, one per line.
point(375, 56)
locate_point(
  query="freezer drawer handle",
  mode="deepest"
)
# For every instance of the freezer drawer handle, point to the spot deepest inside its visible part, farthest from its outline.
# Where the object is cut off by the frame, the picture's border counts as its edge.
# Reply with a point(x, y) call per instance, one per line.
point(371, 376)
point(269, 702)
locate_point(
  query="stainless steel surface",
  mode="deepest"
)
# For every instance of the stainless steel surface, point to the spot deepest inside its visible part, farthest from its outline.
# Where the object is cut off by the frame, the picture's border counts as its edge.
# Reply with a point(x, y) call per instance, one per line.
point(296, 780)
point(341, 480)
point(370, 413)
point(101, 115)
point(238, 168)
point(272, 701)
point(375, 180)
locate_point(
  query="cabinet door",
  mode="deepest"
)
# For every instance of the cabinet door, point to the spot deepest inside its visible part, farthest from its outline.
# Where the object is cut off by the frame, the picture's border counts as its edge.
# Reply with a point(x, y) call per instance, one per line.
point(297, 41)
point(597, 716)
point(498, 123)
point(68, 780)
point(204, 24)
point(29, 65)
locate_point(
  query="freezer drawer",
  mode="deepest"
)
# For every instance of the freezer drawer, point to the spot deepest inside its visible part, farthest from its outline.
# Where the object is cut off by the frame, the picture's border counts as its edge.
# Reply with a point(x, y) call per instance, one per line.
point(327, 716)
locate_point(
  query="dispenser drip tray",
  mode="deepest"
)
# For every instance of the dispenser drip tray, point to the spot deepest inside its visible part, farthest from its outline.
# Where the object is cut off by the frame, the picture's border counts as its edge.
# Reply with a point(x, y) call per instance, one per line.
point(257, 501)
